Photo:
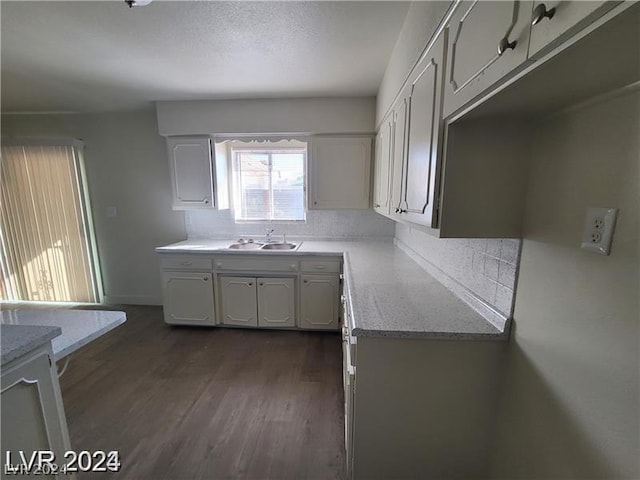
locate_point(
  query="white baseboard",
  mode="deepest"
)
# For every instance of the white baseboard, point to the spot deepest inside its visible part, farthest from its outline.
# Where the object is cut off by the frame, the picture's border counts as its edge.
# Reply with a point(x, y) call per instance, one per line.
point(132, 300)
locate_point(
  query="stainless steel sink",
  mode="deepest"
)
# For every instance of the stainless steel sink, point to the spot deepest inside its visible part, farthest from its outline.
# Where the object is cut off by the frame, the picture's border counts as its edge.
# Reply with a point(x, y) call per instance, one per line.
point(279, 246)
point(245, 246)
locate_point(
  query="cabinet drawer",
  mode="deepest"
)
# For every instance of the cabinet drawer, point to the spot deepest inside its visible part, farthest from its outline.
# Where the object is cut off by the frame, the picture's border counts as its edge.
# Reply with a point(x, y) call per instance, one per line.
point(254, 264)
point(185, 262)
point(329, 266)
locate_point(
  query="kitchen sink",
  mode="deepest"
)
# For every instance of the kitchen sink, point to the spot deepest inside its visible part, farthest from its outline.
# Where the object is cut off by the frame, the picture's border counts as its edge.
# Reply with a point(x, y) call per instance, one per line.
point(279, 246)
point(245, 246)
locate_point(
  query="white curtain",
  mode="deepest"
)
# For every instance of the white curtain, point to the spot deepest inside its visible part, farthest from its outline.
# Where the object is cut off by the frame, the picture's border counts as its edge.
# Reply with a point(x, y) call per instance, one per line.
point(44, 238)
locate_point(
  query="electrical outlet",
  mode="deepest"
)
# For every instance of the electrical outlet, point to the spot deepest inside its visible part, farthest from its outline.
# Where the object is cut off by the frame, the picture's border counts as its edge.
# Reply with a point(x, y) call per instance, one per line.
point(598, 230)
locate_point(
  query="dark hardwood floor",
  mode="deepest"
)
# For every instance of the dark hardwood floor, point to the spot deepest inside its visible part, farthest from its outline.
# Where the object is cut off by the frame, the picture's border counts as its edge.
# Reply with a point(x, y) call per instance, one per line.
point(202, 403)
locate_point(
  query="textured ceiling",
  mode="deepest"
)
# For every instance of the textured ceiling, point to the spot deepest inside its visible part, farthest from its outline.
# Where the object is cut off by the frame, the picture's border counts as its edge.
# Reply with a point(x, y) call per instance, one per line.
point(94, 56)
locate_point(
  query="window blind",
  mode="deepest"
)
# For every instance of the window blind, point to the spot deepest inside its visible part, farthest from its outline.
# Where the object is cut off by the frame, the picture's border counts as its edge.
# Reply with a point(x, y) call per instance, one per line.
point(44, 238)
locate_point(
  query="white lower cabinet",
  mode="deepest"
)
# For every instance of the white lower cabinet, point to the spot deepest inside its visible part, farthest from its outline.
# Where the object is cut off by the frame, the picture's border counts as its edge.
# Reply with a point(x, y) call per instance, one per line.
point(319, 299)
point(239, 302)
point(276, 302)
point(258, 301)
point(33, 417)
point(188, 298)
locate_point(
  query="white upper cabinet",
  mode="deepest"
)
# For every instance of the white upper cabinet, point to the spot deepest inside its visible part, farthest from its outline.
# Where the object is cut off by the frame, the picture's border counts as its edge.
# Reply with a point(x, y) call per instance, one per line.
point(487, 40)
point(417, 141)
point(382, 171)
point(555, 20)
point(400, 113)
point(340, 173)
point(193, 176)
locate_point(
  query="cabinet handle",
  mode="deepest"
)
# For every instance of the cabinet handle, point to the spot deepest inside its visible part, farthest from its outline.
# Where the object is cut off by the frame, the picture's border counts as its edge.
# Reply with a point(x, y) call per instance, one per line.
point(250, 284)
point(320, 267)
point(540, 12)
point(261, 284)
point(402, 211)
point(219, 265)
point(205, 279)
point(292, 266)
point(206, 200)
point(186, 264)
point(377, 205)
point(505, 44)
point(305, 281)
point(397, 210)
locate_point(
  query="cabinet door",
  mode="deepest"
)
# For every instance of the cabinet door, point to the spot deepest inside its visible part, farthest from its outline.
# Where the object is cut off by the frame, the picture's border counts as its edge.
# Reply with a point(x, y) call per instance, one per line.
point(486, 41)
point(560, 19)
point(399, 149)
point(276, 302)
point(319, 302)
point(239, 301)
point(188, 298)
point(382, 171)
point(340, 173)
point(191, 173)
point(423, 141)
point(32, 411)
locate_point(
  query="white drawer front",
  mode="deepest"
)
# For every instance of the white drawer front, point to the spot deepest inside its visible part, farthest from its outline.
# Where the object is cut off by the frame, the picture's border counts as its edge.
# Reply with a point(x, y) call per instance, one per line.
point(320, 266)
point(185, 262)
point(255, 264)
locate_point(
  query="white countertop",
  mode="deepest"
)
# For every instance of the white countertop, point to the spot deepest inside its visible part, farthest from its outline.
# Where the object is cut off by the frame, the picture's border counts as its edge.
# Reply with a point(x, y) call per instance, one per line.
point(17, 340)
point(390, 294)
point(77, 328)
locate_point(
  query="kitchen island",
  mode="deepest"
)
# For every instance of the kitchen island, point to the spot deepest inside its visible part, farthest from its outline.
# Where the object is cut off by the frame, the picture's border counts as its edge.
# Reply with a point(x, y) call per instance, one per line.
point(33, 417)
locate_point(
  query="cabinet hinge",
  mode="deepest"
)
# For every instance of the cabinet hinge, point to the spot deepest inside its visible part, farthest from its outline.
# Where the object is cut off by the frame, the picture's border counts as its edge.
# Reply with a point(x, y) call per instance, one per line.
point(49, 358)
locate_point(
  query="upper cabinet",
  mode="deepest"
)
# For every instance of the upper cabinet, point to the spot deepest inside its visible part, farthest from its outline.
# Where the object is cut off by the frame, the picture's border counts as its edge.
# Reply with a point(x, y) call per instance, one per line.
point(552, 21)
point(382, 171)
point(198, 178)
point(460, 127)
point(487, 40)
point(417, 141)
point(340, 172)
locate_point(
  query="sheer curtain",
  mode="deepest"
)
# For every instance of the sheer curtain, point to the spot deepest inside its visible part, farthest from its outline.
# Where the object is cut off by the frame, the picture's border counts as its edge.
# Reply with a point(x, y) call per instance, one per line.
point(46, 246)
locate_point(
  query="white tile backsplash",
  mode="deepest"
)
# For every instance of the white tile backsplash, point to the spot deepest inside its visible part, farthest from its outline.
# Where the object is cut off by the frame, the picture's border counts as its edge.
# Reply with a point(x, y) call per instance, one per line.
point(320, 224)
point(485, 267)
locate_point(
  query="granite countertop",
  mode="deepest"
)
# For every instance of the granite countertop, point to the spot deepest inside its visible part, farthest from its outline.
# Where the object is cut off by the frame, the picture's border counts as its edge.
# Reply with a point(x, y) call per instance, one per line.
point(74, 328)
point(17, 340)
point(390, 294)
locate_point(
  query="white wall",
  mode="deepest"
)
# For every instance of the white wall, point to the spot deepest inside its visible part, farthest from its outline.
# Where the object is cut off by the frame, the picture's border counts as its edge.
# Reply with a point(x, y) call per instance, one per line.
point(320, 224)
point(127, 167)
point(299, 115)
point(419, 25)
point(570, 403)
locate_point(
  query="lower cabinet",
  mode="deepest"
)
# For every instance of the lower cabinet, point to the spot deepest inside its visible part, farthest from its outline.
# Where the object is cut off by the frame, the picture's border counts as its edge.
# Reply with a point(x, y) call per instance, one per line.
point(258, 301)
point(319, 299)
point(188, 298)
point(33, 417)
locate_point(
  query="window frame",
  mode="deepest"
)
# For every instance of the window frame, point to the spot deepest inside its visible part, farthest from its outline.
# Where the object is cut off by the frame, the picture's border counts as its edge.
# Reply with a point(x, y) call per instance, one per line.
point(259, 148)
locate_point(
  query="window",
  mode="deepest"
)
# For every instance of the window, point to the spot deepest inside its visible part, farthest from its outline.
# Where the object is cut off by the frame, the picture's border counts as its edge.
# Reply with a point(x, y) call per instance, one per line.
point(47, 250)
point(269, 181)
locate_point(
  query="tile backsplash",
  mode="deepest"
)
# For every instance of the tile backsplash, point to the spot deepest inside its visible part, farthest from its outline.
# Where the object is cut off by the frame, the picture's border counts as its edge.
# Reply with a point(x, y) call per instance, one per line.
point(320, 224)
point(485, 267)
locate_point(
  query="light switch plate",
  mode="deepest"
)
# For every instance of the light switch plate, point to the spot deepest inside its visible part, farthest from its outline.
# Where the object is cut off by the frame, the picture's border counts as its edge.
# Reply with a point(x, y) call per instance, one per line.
point(598, 230)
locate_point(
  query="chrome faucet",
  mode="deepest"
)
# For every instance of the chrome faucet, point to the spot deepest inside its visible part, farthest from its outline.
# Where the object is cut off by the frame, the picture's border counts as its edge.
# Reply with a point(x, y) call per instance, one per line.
point(269, 233)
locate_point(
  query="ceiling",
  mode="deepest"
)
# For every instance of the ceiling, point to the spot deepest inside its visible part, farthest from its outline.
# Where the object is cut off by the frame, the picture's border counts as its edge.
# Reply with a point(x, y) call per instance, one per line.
point(98, 56)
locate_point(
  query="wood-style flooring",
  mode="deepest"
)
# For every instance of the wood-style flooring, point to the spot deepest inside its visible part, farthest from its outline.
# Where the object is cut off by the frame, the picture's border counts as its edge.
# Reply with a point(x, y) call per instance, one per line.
point(208, 403)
